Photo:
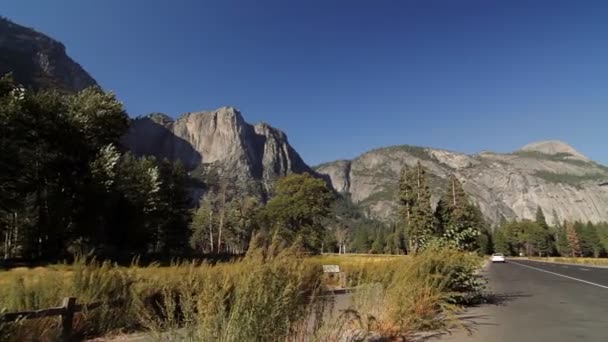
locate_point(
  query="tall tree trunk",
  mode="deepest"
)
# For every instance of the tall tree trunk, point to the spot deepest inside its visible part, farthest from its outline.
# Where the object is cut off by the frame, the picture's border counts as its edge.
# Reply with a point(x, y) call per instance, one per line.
point(7, 244)
point(418, 181)
point(222, 215)
point(453, 193)
point(211, 230)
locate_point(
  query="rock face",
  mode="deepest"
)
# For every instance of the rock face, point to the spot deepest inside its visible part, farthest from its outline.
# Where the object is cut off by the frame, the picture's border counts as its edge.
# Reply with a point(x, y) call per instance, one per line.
point(38, 61)
point(219, 139)
point(549, 174)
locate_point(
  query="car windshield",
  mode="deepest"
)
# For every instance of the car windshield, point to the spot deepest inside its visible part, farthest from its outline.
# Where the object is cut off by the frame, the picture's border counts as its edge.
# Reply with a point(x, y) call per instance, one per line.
point(497, 254)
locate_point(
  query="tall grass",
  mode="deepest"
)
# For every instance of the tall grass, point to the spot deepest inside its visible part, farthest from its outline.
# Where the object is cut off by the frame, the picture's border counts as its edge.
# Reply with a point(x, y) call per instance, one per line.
point(89, 281)
point(422, 292)
point(257, 299)
point(270, 295)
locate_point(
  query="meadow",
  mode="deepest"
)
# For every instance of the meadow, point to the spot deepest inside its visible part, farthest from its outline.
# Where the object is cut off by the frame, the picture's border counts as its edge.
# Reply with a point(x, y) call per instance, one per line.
point(269, 295)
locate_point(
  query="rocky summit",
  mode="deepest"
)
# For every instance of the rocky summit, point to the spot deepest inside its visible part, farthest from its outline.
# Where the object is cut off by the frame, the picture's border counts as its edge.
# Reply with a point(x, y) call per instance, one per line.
point(550, 174)
point(38, 61)
point(220, 140)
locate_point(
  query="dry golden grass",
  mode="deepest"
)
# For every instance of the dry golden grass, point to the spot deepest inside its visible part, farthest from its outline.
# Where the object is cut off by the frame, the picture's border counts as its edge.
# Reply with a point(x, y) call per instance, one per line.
point(268, 295)
point(582, 261)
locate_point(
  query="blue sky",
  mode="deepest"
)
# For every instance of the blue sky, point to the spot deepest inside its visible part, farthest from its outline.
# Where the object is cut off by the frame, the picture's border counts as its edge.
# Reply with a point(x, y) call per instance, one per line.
point(343, 77)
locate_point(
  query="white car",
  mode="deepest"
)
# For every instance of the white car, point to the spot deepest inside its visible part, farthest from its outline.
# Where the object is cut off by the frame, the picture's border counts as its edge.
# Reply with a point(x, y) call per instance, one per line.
point(498, 257)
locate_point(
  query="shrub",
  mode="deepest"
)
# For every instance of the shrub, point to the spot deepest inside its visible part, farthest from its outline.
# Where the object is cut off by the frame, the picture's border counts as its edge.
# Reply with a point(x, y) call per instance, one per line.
point(418, 293)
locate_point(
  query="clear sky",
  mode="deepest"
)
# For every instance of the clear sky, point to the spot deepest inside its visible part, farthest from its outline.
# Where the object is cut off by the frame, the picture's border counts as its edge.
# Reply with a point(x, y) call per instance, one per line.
point(342, 77)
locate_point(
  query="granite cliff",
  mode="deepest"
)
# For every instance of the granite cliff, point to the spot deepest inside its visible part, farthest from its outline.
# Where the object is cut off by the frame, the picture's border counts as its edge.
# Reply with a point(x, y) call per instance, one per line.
point(549, 174)
point(220, 139)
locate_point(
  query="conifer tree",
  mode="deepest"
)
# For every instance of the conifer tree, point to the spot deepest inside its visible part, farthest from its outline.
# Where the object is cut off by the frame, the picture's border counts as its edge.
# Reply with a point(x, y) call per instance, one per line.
point(573, 240)
point(459, 219)
point(501, 244)
point(540, 218)
point(422, 220)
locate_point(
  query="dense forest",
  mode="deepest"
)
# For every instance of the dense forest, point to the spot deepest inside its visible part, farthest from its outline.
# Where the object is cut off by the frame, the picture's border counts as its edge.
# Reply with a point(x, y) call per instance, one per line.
point(68, 186)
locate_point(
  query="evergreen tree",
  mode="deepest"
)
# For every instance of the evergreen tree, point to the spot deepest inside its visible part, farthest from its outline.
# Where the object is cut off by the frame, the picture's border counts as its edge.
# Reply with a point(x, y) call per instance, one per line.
point(442, 217)
point(485, 242)
point(501, 244)
point(460, 220)
point(421, 223)
point(379, 243)
point(590, 241)
point(406, 194)
point(561, 241)
point(538, 239)
point(540, 218)
point(361, 241)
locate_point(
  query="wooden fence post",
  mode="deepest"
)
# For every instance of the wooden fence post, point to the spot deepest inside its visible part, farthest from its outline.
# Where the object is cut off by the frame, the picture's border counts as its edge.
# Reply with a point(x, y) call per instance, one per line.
point(69, 305)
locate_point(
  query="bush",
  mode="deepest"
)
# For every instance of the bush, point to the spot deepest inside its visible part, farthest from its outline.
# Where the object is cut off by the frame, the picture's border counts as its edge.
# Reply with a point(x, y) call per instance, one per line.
point(418, 293)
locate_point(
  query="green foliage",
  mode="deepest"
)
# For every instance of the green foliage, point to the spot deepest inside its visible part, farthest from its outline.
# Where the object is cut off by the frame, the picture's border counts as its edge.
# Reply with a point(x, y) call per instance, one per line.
point(570, 179)
point(528, 238)
point(416, 151)
point(65, 185)
point(297, 209)
point(223, 222)
point(591, 245)
point(540, 218)
point(415, 198)
point(561, 241)
point(559, 157)
point(458, 220)
point(501, 244)
point(437, 278)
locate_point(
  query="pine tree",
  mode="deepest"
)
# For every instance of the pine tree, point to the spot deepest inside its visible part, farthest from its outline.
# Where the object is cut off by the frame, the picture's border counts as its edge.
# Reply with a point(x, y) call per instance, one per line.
point(379, 243)
point(500, 243)
point(590, 240)
point(540, 218)
point(573, 240)
point(442, 217)
point(459, 219)
point(561, 241)
point(538, 238)
point(422, 220)
point(406, 194)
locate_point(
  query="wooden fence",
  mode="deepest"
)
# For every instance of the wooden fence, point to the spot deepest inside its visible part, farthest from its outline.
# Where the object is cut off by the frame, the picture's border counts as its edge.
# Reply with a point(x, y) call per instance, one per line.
point(67, 310)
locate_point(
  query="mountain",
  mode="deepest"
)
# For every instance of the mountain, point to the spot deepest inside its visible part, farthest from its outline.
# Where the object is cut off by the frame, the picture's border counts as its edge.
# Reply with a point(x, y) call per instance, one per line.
point(220, 140)
point(38, 61)
point(549, 174)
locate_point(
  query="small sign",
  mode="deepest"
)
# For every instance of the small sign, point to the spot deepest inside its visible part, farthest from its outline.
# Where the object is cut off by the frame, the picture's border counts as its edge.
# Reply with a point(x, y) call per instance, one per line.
point(331, 269)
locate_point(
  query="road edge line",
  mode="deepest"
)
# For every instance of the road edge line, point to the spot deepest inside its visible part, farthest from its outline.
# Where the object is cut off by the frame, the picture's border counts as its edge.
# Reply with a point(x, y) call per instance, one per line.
point(561, 275)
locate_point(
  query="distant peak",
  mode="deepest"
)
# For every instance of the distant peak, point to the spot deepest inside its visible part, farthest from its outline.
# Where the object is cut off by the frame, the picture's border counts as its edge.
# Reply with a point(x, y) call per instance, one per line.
point(228, 109)
point(225, 112)
point(554, 147)
point(160, 118)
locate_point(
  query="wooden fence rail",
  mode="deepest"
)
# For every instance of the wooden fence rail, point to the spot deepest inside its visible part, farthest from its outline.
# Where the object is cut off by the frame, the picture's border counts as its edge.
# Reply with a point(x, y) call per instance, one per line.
point(66, 311)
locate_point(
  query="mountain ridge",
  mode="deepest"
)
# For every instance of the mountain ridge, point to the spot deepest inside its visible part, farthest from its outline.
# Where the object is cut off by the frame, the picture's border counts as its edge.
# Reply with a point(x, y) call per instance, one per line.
point(509, 185)
point(39, 61)
point(221, 138)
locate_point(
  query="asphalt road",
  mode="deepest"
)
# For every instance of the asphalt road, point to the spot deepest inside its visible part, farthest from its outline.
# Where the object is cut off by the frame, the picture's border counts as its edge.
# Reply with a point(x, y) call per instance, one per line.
point(537, 301)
